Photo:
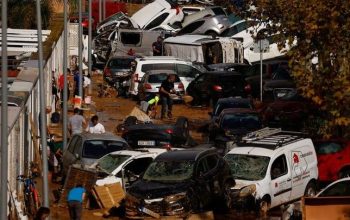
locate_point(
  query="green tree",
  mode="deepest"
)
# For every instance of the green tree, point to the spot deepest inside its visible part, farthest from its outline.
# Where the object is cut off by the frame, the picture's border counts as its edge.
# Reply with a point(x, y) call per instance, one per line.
point(318, 32)
point(22, 13)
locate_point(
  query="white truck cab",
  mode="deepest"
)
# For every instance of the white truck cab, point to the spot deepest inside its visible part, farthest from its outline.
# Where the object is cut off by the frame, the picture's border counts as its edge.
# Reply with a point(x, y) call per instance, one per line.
point(272, 167)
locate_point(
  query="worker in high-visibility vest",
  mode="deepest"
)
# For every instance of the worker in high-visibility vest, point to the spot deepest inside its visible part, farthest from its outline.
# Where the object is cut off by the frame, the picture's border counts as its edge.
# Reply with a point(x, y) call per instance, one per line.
point(152, 106)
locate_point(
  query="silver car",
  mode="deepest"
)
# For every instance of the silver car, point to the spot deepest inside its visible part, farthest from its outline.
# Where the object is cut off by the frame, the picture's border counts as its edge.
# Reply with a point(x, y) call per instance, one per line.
point(212, 25)
point(86, 148)
point(152, 80)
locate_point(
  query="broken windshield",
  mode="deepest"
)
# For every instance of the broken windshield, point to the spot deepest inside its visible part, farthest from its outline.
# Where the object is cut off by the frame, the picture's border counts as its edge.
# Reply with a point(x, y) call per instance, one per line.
point(110, 162)
point(247, 167)
point(169, 171)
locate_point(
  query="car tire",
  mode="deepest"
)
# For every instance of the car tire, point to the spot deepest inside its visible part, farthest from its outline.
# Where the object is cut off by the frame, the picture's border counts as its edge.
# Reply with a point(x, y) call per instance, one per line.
point(130, 120)
point(182, 127)
point(264, 206)
point(310, 189)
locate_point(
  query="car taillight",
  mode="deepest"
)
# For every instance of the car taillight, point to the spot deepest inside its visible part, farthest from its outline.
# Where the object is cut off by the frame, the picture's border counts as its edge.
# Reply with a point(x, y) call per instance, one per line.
point(248, 88)
point(217, 88)
point(180, 86)
point(107, 72)
point(147, 86)
point(136, 77)
point(169, 131)
point(85, 23)
point(167, 147)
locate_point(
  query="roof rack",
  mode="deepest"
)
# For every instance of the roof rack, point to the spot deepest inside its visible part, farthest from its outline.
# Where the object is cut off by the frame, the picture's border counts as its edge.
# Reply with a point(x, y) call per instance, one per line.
point(271, 138)
point(261, 133)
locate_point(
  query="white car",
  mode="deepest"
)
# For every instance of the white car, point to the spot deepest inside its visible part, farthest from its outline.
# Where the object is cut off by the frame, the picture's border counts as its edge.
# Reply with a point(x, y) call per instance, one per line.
point(157, 13)
point(184, 70)
point(188, 10)
point(124, 165)
point(273, 167)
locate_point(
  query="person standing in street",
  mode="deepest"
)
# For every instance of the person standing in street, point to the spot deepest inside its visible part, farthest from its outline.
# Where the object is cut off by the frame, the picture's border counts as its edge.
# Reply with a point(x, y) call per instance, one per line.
point(158, 47)
point(76, 123)
point(165, 91)
point(95, 127)
point(75, 202)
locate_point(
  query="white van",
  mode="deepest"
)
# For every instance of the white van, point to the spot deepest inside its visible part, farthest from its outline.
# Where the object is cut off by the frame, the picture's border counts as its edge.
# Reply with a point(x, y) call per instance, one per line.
point(184, 69)
point(272, 167)
point(137, 40)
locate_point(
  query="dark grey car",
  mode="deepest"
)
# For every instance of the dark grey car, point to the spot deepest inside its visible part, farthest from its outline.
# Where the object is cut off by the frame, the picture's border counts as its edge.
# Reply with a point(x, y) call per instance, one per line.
point(86, 148)
point(117, 66)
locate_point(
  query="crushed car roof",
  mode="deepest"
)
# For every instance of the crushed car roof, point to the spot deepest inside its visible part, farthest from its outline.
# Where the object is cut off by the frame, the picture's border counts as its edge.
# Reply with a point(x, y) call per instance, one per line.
point(190, 154)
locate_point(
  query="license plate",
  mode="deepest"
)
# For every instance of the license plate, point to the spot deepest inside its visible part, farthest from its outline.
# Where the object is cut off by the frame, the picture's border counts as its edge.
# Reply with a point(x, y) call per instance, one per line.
point(150, 212)
point(146, 143)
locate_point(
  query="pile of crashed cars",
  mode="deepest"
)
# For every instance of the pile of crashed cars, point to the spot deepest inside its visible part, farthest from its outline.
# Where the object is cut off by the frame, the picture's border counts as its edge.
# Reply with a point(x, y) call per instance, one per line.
point(245, 164)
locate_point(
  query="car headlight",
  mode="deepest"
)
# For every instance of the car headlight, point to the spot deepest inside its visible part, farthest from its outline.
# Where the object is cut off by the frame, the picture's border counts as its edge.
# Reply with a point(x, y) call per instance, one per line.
point(248, 190)
point(175, 197)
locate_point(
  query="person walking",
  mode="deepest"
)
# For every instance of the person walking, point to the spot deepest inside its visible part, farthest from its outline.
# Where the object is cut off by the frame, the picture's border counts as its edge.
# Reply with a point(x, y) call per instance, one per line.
point(76, 123)
point(158, 47)
point(95, 127)
point(75, 201)
point(165, 91)
point(61, 86)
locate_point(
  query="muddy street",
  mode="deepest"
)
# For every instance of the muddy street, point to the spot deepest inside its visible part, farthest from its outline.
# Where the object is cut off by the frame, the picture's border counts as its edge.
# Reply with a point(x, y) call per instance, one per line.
point(112, 111)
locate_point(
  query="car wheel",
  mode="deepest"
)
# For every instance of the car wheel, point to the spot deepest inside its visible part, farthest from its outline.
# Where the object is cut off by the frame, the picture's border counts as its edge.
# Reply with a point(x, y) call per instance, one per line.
point(264, 206)
point(182, 126)
point(131, 120)
point(310, 189)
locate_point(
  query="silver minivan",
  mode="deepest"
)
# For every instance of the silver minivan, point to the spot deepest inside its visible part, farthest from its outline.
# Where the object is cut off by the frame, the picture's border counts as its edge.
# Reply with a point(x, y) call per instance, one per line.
point(86, 148)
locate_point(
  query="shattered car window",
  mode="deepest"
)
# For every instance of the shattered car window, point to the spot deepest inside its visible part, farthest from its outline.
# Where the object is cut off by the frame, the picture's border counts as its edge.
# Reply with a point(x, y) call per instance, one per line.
point(169, 171)
point(247, 167)
point(110, 162)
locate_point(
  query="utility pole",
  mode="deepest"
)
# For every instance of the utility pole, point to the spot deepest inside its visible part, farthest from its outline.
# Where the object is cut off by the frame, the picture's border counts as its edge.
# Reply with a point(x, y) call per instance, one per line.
point(90, 38)
point(65, 82)
point(80, 52)
point(4, 109)
point(99, 11)
point(43, 128)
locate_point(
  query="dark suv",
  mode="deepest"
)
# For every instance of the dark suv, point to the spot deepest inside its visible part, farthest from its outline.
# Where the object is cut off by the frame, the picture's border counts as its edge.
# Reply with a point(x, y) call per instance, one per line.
point(231, 125)
point(181, 182)
point(212, 85)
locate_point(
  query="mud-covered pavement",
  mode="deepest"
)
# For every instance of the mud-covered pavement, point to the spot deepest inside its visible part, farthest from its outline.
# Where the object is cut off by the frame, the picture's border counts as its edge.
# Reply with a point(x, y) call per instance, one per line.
point(112, 111)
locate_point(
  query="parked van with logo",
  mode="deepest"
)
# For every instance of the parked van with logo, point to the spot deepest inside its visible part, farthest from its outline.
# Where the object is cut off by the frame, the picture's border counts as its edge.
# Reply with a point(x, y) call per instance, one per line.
point(272, 167)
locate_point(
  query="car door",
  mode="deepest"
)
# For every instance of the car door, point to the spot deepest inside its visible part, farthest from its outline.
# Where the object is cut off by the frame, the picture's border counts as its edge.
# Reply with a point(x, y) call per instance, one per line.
point(68, 156)
point(203, 182)
point(281, 181)
point(135, 168)
point(200, 87)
